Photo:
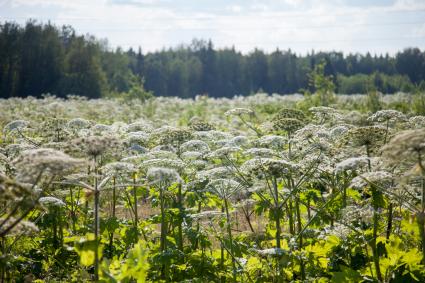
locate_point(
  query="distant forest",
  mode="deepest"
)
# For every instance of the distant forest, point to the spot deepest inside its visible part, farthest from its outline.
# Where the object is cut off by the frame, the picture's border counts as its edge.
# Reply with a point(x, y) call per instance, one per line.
point(42, 58)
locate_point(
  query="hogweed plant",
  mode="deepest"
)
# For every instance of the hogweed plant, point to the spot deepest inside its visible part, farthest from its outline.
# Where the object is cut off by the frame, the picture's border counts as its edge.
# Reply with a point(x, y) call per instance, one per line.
point(276, 189)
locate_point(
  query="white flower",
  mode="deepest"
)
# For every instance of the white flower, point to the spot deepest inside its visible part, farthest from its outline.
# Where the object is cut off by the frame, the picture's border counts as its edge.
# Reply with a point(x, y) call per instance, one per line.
point(101, 128)
point(214, 173)
point(337, 131)
point(239, 141)
point(160, 176)
point(357, 214)
point(15, 125)
point(23, 227)
point(339, 230)
point(224, 152)
point(271, 252)
point(97, 145)
point(271, 141)
point(51, 201)
point(116, 168)
point(417, 121)
point(376, 178)
point(191, 155)
point(239, 112)
point(43, 160)
point(163, 163)
point(387, 115)
point(261, 152)
point(209, 214)
point(140, 126)
point(78, 124)
point(137, 138)
point(352, 164)
point(260, 166)
point(194, 145)
point(224, 188)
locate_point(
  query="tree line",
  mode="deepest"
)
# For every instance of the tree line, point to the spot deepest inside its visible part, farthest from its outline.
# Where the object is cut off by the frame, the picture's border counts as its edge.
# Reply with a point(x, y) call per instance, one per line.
point(41, 58)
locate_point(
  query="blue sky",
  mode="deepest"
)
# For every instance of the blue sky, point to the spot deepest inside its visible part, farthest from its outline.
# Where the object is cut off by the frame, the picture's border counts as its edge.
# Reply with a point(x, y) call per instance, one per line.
point(378, 26)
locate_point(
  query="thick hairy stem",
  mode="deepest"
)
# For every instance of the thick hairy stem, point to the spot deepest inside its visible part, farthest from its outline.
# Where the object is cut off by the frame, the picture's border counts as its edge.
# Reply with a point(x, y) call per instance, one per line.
point(421, 225)
point(369, 165)
point(114, 196)
point(229, 233)
point(344, 197)
point(96, 225)
point(198, 227)
point(386, 131)
point(163, 240)
point(277, 213)
point(222, 279)
point(299, 230)
point(73, 216)
point(308, 209)
point(291, 217)
point(3, 252)
point(136, 214)
point(289, 147)
point(374, 246)
point(389, 220)
point(180, 223)
point(421, 215)
point(248, 219)
point(163, 224)
point(55, 231)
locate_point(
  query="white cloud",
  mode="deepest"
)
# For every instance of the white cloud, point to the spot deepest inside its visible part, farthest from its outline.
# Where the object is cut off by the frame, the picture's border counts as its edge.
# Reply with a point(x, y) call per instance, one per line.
point(303, 25)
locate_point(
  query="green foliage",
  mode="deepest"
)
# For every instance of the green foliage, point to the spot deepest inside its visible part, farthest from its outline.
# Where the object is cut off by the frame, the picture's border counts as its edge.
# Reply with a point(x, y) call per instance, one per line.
point(134, 266)
point(323, 86)
point(280, 195)
point(38, 58)
point(363, 83)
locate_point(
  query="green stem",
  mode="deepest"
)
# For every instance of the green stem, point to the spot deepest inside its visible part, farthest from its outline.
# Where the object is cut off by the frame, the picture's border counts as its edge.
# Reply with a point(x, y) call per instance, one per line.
point(291, 219)
point(421, 215)
point(229, 232)
point(299, 229)
point(136, 215)
point(180, 220)
point(389, 220)
point(163, 224)
point(96, 224)
point(114, 196)
point(374, 246)
point(277, 213)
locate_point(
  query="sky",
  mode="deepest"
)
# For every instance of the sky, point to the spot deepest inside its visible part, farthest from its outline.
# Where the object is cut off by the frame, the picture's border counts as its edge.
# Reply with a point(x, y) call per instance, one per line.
point(376, 26)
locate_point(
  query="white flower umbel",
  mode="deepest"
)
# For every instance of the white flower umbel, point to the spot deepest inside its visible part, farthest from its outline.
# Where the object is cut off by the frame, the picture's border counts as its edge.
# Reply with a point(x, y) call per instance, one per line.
point(239, 112)
point(224, 188)
point(272, 252)
point(78, 124)
point(380, 179)
point(15, 125)
point(352, 164)
point(51, 202)
point(195, 145)
point(163, 163)
point(271, 141)
point(208, 215)
point(387, 116)
point(224, 152)
point(119, 168)
point(31, 163)
point(162, 176)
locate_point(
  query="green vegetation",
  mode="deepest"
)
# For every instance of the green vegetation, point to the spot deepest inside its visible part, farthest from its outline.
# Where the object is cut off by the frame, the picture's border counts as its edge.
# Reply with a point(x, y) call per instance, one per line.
point(36, 59)
point(251, 189)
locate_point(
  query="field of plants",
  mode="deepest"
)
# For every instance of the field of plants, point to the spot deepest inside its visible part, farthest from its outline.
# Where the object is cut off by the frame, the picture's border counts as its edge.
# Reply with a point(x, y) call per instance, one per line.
point(263, 188)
